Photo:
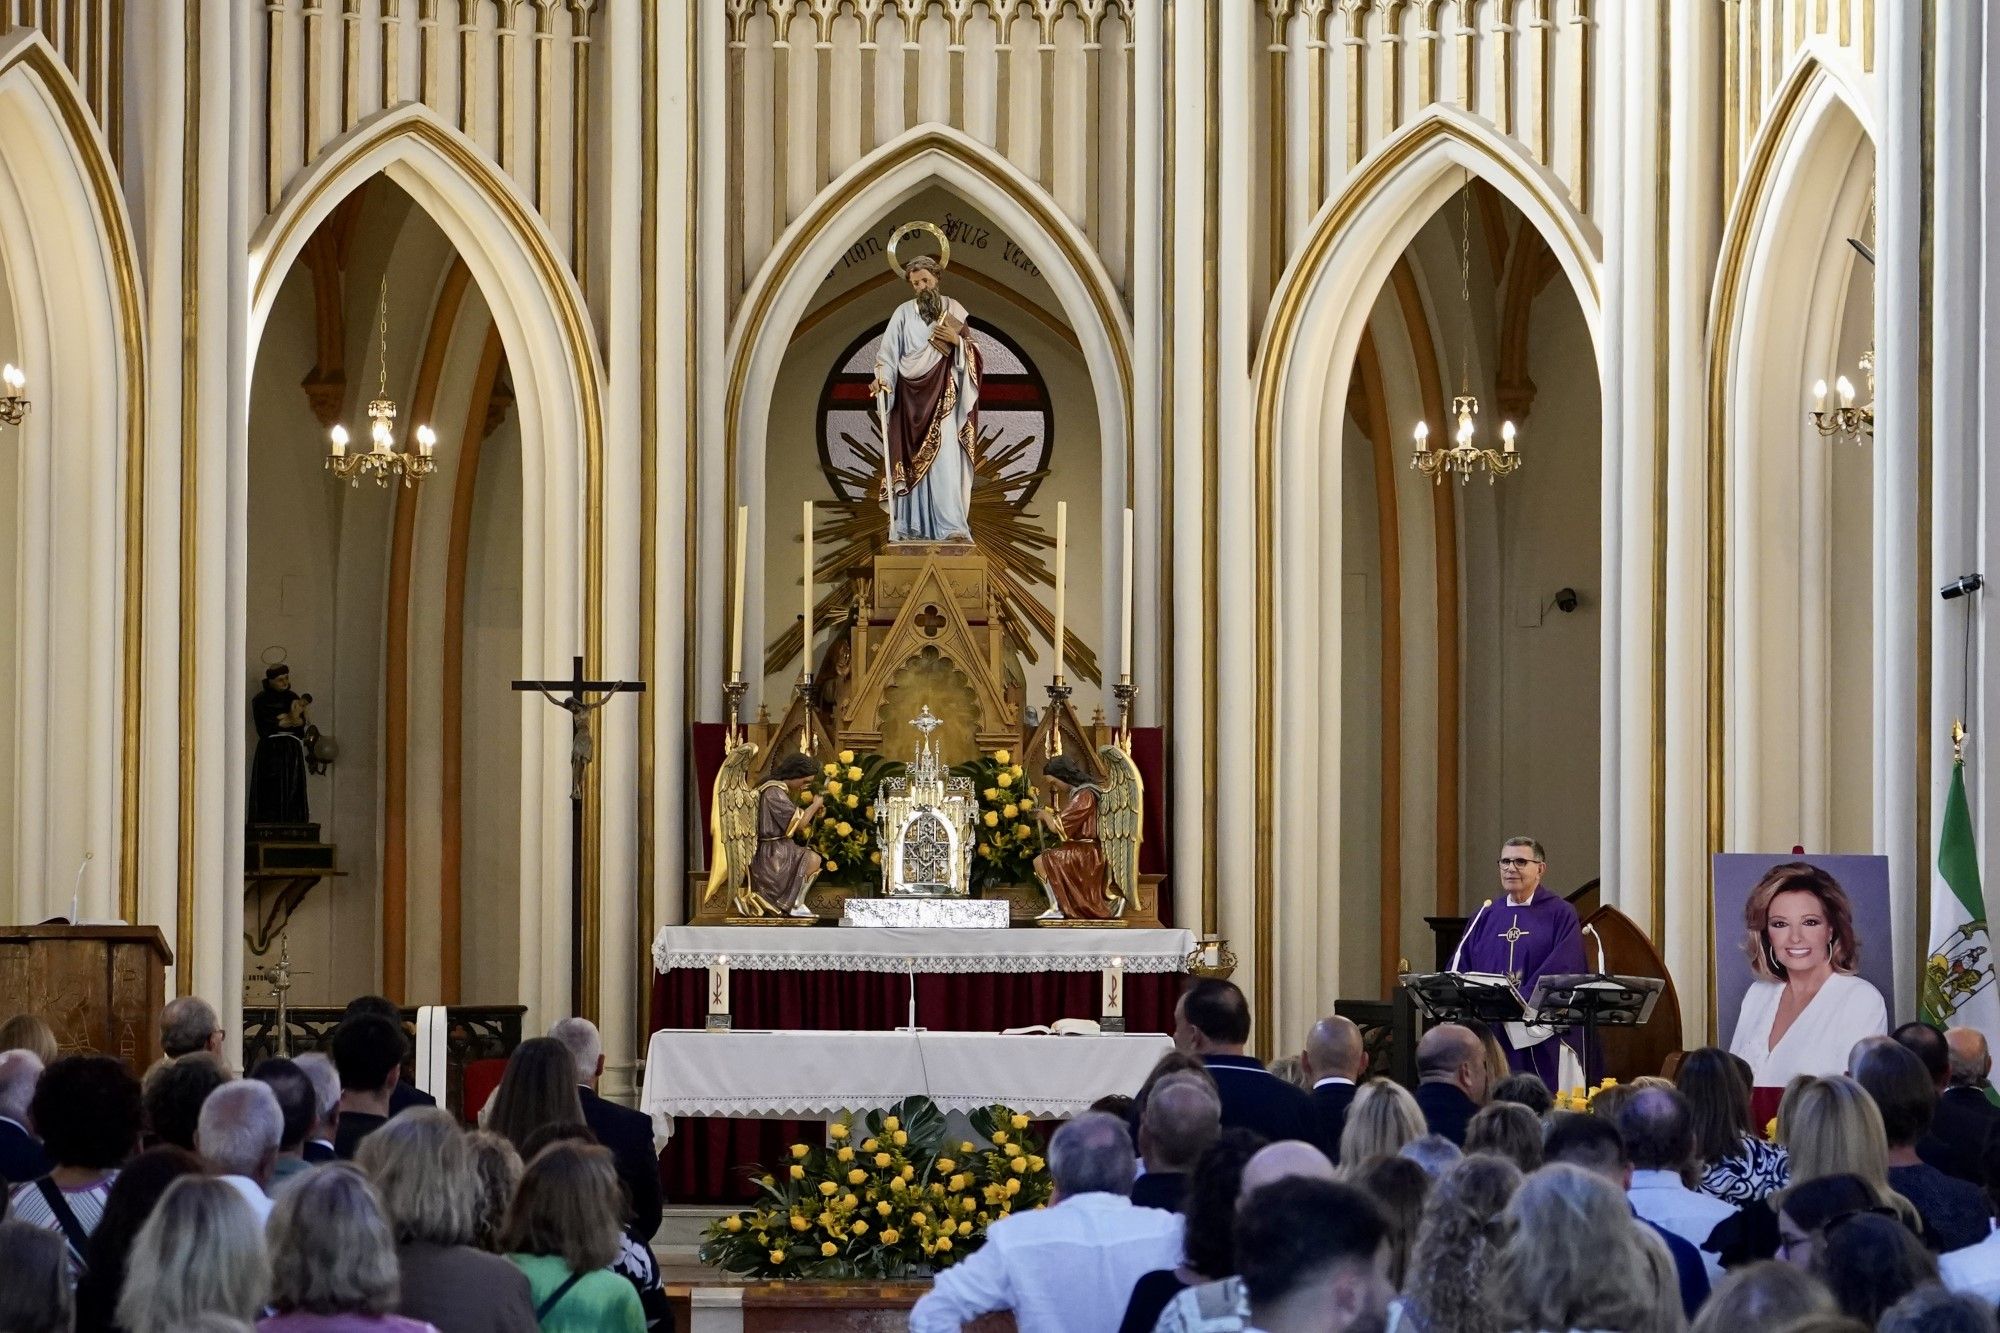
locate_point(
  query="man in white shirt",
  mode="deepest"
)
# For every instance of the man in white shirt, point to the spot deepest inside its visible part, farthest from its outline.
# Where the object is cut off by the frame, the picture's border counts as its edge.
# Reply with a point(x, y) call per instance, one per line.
point(1315, 1258)
point(1658, 1129)
point(1070, 1267)
point(238, 1134)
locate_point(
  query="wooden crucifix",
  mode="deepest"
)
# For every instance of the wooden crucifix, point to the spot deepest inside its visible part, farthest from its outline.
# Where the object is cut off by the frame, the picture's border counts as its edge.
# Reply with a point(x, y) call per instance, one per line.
point(582, 750)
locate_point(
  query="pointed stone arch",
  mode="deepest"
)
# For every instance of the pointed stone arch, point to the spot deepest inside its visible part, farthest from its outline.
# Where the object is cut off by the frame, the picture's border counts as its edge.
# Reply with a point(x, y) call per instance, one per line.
point(70, 260)
point(1318, 314)
point(1783, 270)
point(779, 295)
point(559, 384)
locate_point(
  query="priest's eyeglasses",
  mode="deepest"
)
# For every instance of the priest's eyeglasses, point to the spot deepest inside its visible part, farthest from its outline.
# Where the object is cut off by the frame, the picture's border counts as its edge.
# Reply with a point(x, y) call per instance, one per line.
point(1517, 862)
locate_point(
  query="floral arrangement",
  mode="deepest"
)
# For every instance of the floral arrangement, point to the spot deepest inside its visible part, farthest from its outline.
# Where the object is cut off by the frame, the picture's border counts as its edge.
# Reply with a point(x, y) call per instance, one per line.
point(901, 1202)
point(845, 835)
point(1579, 1099)
point(1009, 833)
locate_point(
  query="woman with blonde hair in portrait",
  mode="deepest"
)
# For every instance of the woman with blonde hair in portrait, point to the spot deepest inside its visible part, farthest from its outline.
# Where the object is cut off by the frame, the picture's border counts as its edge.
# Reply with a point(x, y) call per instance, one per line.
point(1577, 1258)
point(1806, 1008)
point(422, 1168)
point(1461, 1233)
point(1382, 1118)
point(201, 1252)
point(563, 1232)
point(333, 1258)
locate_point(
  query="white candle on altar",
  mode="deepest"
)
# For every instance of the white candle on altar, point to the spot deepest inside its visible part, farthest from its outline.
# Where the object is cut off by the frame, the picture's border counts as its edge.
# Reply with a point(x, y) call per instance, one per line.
point(1125, 620)
point(806, 621)
point(1062, 555)
point(736, 622)
point(718, 985)
point(1114, 989)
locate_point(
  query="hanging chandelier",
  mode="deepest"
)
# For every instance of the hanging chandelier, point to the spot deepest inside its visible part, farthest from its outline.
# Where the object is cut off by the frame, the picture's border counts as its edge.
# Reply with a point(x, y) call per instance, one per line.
point(1464, 455)
point(381, 460)
point(1848, 421)
point(13, 406)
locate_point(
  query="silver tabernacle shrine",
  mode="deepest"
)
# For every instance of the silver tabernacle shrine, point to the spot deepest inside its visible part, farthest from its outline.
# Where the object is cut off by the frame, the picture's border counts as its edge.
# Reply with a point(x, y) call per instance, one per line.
point(926, 820)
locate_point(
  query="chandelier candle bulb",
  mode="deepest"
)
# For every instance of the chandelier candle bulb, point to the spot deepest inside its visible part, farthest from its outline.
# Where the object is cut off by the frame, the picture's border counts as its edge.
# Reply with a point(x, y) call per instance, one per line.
point(426, 441)
point(1506, 437)
point(339, 434)
point(1125, 617)
point(1423, 437)
point(16, 381)
point(1819, 395)
point(736, 616)
point(1846, 389)
point(806, 578)
point(1062, 554)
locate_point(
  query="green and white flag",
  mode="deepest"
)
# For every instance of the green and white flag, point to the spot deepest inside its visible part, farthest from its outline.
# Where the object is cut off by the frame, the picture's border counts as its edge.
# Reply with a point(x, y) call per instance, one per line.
point(1958, 989)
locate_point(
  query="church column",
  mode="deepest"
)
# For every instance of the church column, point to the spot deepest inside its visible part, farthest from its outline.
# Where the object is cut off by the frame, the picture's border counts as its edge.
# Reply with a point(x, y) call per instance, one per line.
point(1903, 434)
point(623, 614)
point(1983, 772)
point(1147, 264)
point(1684, 55)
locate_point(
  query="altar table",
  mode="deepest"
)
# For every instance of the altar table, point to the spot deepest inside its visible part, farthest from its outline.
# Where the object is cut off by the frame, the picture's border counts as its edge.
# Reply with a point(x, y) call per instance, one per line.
point(824, 1074)
point(825, 978)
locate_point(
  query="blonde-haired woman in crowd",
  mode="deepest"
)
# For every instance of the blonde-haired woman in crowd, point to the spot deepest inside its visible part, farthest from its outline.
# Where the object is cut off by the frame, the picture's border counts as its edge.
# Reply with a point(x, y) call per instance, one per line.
point(1382, 1118)
point(563, 1231)
point(333, 1258)
point(497, 1167)
point(27, 1032)
point(201, 1252)
point(1503, 1129)
point(1463, 1228)
point(422, 1168)
point(1577, 1258)
point(1833, 1128)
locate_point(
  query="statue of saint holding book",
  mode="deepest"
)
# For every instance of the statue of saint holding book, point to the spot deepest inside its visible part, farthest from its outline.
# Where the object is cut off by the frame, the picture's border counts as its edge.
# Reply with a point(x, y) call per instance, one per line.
point(926, 394)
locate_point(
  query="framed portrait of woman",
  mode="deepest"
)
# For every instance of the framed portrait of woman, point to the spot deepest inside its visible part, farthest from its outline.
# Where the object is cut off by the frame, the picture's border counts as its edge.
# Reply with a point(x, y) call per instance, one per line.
point(1804, 964)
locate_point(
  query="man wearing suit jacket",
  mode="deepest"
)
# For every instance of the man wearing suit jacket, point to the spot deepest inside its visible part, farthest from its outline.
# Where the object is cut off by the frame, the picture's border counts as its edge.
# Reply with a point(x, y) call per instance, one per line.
point(1333, 1059)
point(1212, 1021)
point(1181, 1120)
point(1964, 1116)
point(1955, 1143)
point(21, 1155)
point(627, 1133)
point(1452, 1079)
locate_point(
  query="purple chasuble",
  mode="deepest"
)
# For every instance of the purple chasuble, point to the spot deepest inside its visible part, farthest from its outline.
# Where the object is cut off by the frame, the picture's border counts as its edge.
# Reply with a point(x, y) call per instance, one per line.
point(1547, 938)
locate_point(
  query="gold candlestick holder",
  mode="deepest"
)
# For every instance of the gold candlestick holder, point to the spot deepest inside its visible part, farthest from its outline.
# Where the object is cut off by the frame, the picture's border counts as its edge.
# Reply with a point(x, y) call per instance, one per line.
point(1125, 692)
point(732, 702)
point(805, 692)
point(1059, 693)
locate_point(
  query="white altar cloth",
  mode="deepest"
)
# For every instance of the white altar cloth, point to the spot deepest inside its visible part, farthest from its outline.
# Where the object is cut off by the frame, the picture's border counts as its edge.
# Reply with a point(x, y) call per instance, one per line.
point(899, 949)
point(812, 1074)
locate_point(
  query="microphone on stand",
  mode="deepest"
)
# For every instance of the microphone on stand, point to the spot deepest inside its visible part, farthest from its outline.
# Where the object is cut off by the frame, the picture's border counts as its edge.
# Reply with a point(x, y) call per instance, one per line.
point(76, 891)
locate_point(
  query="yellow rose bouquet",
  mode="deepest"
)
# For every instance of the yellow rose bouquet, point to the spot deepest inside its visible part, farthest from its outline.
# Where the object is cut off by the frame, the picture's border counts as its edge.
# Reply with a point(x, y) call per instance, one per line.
point(888, 1199)
point(1008, 835)
point(844, 835)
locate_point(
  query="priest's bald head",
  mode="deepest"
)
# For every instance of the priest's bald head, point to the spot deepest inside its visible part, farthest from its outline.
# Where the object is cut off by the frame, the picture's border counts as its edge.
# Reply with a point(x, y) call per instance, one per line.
point(1522, 863)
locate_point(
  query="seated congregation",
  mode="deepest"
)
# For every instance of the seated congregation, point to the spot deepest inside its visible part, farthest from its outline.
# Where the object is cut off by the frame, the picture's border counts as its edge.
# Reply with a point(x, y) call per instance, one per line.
point(322, 1194)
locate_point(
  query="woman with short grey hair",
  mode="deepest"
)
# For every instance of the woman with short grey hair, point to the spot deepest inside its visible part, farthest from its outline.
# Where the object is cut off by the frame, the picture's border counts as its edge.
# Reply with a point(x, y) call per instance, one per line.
point(333, 1258)
point(423, 1170)
point(200, 1252)
point(34, 1280)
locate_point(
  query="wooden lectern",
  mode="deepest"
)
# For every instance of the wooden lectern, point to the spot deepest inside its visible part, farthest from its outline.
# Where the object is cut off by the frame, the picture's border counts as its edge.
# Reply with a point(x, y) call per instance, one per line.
point(99, 987)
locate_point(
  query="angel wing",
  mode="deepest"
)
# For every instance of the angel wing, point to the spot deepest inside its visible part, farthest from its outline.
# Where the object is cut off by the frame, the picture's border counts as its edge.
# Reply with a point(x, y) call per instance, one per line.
point(1120, 821)
point(732, 826)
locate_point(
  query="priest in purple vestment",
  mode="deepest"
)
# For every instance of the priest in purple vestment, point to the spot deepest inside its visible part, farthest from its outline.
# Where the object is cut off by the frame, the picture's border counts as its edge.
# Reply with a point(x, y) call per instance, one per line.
point(1524, 933)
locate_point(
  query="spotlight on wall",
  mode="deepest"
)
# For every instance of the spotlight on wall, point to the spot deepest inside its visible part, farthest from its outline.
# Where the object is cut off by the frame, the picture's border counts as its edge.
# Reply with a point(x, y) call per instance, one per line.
point(1962, 585)
point(1565, 600)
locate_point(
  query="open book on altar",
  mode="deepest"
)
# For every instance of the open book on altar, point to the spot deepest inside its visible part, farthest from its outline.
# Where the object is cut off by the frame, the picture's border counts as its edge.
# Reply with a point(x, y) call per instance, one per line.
point(1062, 1027)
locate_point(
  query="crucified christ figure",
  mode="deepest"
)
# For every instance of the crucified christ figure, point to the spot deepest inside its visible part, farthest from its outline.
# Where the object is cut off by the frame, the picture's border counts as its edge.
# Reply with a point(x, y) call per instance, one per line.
point(582, 749)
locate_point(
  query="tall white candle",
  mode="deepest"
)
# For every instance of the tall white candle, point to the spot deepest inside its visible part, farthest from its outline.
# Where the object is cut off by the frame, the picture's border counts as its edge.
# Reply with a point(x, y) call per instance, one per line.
point(1125, 619)
point(1062, 556)
point(736, 623)
point(1114, 990)
point(806, 579)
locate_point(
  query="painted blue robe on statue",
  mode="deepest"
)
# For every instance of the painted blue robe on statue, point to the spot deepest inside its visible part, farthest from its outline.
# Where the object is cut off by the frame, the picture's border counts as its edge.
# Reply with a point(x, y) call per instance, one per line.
point(1546, 938)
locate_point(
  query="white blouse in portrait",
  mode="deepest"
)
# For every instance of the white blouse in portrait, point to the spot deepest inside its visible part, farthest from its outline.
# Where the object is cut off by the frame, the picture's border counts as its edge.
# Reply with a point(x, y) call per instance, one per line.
point(1845, 1010)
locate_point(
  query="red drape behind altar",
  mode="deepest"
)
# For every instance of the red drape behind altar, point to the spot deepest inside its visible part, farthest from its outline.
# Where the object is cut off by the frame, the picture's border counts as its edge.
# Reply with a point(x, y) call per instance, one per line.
point(1148, 755)
point(707, 1160)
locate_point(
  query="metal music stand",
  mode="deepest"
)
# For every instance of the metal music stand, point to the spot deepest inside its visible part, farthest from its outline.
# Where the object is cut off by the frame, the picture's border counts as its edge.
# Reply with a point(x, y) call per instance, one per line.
point(1590, 1000)
point(1453, 997)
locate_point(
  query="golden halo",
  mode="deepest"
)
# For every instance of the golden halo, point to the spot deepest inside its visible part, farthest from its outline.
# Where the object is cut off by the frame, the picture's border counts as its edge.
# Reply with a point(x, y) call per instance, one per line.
point(944, 244)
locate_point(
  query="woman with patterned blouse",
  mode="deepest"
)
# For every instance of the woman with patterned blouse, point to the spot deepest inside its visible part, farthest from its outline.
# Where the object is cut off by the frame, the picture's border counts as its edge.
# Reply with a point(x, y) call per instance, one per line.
point(1736, 1164)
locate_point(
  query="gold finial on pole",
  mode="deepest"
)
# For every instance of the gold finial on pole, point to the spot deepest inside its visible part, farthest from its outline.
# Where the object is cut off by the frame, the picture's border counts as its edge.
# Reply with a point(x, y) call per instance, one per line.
point(1958, 740)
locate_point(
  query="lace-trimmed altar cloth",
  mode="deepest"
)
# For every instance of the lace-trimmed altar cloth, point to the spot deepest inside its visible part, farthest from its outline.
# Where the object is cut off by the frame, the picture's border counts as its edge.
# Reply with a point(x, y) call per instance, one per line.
point(896, 949)
point(803, 1074)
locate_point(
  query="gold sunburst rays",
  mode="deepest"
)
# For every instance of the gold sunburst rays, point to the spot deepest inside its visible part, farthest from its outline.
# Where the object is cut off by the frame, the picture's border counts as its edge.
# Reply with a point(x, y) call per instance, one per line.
point(853, 531)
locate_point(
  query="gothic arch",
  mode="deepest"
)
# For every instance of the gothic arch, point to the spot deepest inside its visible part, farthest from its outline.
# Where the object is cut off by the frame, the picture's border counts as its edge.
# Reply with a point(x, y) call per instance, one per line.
point(558, 379)
point(784, 286)
point(1775, 314)
point(1317, 317)
point(67, 250)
